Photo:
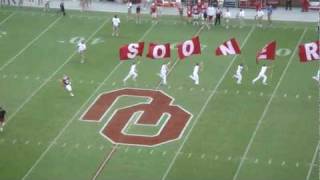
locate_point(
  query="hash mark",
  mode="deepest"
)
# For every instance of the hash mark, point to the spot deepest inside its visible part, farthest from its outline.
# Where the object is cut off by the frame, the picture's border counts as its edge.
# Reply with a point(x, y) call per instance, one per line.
point(27, 77)
point(77, 145)
point(202, 89)
point(297, 96)
point(229, 158)
point(4, 76)
point(261, 93)
point(256, 161)
point(92, 81)
point(89, 146)
point(27, 142)
point(237, 92)
point(101, 147)
point(249, 92)
point(309, 97)
point(297, 164)
point(270, 161)
point(14, 141)
point(164, 153)
point(151, 152)
point(203, 156)
point(80, 81)
point(126, 150)
point(189, 155)
point(64, 145)
point(191, 89)
point(216, 157)
point(285, 95)
point(15, 76)
point(139, 150)
point(39, 143)
point(226, 91)
point(114, 83)
point(283, 163)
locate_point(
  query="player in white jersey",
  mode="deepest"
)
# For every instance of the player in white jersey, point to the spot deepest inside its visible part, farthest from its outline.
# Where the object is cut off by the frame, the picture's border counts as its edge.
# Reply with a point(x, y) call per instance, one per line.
point(195, 74)
point(115, 25)
point(262, 74)
point(66, 82)
point(238, 74)
point(241, 16)
point(259, 17)
point(317, 77)
point(211, 13)
point(82, 47)
point(227, 16)
point(163, 73)
point(132, 73)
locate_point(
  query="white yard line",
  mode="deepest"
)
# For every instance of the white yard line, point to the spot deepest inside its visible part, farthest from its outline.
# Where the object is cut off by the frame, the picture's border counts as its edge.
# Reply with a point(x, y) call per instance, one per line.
point(235, 177)
point(51, 76)
point(204, 106)
point(7, 18)
point(312, 162)
point(80, 109)
point(29, 44)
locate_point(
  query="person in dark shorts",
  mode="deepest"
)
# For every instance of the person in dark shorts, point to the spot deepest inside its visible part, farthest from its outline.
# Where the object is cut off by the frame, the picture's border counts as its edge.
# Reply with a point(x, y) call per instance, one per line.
point(62, 9)
point(138, 14)
point(2, 118)
point(218, 16)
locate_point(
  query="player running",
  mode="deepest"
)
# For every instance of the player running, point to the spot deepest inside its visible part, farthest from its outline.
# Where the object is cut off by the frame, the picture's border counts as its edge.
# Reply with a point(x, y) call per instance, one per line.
point(195, 74)
point(238, 74)
point(262, 74)
point(82, 47)
point(67, 84)
point(132, 73)
point(163, 73)
point(317, 77)
point(115, 25)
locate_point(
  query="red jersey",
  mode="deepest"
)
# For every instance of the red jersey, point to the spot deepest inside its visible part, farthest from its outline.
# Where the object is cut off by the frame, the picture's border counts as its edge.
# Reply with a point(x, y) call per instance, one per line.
point(153, 9)
point(66, 81)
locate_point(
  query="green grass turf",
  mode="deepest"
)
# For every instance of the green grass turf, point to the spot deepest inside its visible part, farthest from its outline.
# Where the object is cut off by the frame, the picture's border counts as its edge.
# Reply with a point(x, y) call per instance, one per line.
point(44, 138)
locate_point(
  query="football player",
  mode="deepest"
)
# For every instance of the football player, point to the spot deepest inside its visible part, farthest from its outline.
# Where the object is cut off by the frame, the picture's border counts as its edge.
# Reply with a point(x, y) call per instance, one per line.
point(67, 84)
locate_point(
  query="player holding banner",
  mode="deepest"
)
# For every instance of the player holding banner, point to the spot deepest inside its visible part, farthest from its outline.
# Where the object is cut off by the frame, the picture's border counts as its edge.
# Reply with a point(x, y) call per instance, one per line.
point(132, 73)
point(163, 73)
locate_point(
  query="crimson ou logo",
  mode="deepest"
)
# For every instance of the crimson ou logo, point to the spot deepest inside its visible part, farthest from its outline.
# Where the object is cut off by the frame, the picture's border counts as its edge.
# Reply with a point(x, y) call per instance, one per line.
point(159, 104)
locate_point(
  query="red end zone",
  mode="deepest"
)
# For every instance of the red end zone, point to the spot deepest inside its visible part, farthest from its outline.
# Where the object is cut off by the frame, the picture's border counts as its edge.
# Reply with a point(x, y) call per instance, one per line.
point(160, 104)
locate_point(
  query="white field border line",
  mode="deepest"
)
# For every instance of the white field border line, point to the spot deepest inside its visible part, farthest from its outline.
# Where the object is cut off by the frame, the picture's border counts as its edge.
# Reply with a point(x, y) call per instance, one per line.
point(102, 165)
point(83, 105)
point(7, 18)
point(204, 106)
point(29, 44)
point(267, 108)
point(312, 162)
point(51, 76)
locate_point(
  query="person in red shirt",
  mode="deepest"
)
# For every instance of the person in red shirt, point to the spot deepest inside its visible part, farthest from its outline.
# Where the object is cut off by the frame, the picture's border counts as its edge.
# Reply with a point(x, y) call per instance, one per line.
point(153, 11)
point(305, 5)
point(189, 14)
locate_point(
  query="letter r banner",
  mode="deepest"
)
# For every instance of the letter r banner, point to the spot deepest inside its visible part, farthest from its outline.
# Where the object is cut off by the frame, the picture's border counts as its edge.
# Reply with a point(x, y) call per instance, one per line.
point(159, 105)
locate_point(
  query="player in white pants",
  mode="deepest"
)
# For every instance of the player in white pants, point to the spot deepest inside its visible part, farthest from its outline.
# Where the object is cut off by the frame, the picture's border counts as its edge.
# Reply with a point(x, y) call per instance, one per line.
point(195, 74)
point(82, 49)
point(317, 77)
point(238, 74)
point(262, 74)
point(67, 84)
point(132, 73)
point(163, 73)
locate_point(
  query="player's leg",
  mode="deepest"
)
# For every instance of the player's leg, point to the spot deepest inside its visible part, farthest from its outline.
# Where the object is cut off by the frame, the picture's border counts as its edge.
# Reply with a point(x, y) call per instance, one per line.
point(164, 79)
point(69, 89)
point(256, 79)
point(196, 79)
point(264, 79)
point(113, 30)
point(127, 77)
point(134, 76)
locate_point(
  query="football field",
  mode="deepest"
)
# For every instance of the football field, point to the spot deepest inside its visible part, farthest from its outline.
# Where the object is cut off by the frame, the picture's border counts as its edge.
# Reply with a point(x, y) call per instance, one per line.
point(233, 132)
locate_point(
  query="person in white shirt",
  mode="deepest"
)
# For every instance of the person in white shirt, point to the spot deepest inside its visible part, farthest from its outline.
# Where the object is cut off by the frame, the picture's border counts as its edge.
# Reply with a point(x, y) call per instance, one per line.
point(195, 74)
point(66, 82)
point(82, 49)
point(227, 16)
point(262, 74)
point(317, 77)
point(238, 74)
point(211, 13)
point(241, 16)
point(163, 73)
point(259, 17)
point(132, 73)
point(115, 25)
point(129, 6)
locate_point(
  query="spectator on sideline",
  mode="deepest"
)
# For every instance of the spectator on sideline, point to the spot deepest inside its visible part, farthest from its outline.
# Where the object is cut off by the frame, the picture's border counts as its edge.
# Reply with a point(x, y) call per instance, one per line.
point(46, 5)
point(269, 13)
point(62, 9)
point(305, 5)
point(138, 14)
point(129, 6)
point(288, 5)
point(218, 16)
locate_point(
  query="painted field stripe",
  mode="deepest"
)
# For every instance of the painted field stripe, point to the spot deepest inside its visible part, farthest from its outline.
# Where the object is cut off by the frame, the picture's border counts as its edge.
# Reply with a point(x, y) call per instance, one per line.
point(51, 76)
point(204, 106)
point(29, 44)
point(313, 162)
point(7, 18)
point(83, 105)
point(267, 108)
